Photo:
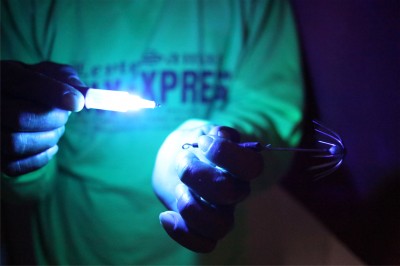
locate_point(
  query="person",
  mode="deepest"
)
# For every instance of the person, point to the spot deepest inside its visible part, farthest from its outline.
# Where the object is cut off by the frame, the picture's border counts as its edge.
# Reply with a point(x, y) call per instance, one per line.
point(223, 72)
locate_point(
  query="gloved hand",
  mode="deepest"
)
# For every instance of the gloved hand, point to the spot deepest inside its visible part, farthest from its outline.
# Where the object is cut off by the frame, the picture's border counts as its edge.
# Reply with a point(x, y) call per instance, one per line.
point(201, 186)
point(35, 104)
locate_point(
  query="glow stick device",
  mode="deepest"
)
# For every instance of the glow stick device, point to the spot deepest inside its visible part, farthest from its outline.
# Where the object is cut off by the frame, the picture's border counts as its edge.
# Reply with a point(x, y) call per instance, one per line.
point(111, 100)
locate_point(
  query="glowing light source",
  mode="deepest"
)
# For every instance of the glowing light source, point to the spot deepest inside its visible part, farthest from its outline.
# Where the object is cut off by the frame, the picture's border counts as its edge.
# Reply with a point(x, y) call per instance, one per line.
point(120, 101)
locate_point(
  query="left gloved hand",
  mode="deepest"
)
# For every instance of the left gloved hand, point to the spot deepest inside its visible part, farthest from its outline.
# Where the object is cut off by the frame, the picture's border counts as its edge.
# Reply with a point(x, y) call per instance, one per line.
point(201, 186)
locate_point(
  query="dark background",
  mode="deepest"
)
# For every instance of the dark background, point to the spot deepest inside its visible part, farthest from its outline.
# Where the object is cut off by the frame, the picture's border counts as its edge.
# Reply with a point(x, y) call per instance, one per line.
point(351, 57)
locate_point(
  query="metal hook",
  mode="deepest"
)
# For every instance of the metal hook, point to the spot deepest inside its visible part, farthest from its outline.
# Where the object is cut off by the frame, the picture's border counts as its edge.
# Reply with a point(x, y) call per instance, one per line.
point(188, 145)
point(331, 149)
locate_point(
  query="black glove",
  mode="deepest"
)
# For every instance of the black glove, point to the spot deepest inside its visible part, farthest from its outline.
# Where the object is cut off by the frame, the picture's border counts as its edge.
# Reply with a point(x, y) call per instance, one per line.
point(36, 101)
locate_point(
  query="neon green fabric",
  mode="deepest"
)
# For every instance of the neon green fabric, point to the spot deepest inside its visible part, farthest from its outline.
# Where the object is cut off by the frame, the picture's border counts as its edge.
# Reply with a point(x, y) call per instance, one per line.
point(229, 62)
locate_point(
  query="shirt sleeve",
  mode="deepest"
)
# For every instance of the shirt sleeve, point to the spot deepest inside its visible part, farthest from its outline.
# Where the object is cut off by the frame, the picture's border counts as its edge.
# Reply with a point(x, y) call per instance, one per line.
point(30, 187)
point(266, 99)
point(25, 30)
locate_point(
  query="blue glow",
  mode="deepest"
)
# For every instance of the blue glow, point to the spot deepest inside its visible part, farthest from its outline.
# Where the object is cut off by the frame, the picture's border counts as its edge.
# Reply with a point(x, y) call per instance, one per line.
point(119, 101)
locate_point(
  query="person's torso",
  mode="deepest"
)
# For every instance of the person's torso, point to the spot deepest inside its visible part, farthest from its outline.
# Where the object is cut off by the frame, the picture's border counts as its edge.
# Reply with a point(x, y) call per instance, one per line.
point(180, 54)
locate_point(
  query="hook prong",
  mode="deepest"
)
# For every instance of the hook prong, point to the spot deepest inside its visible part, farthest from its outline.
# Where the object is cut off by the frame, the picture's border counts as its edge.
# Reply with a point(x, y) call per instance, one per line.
point(188, 145)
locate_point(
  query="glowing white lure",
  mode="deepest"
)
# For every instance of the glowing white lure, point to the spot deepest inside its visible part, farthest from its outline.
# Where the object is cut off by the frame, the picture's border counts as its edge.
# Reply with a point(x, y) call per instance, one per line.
point(119, 101)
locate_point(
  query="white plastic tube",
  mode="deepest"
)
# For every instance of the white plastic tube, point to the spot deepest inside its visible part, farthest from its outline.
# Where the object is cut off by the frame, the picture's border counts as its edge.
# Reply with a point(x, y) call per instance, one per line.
point(119, 101)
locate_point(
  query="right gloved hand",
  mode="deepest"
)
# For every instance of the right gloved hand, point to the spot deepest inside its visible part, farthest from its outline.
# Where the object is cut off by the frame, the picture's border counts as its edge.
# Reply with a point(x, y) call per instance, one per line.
point(36, 101)
point(201, 187)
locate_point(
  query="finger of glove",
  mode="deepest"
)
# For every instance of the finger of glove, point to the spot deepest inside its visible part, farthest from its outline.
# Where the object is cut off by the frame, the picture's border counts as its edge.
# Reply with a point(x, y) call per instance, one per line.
point(206, 220)
point(176, 228)
point(241, 162)
point(29, 164)
point(213, 184)
point(17, 145)
point(24, 83)
point(226, 133)
point(61, 72)
point(23, 116)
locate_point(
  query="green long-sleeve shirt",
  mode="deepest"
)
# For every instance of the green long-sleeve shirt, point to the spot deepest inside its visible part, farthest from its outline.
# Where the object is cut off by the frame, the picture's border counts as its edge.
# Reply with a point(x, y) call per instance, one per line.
point(233, 63)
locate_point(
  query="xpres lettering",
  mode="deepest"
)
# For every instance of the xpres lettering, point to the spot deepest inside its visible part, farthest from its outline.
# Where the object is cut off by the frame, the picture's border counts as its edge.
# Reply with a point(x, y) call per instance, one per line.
point(193, 86)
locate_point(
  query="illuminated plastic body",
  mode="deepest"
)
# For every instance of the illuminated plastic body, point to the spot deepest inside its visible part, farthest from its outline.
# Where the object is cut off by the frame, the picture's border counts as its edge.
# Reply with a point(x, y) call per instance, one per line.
point(119, 101)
